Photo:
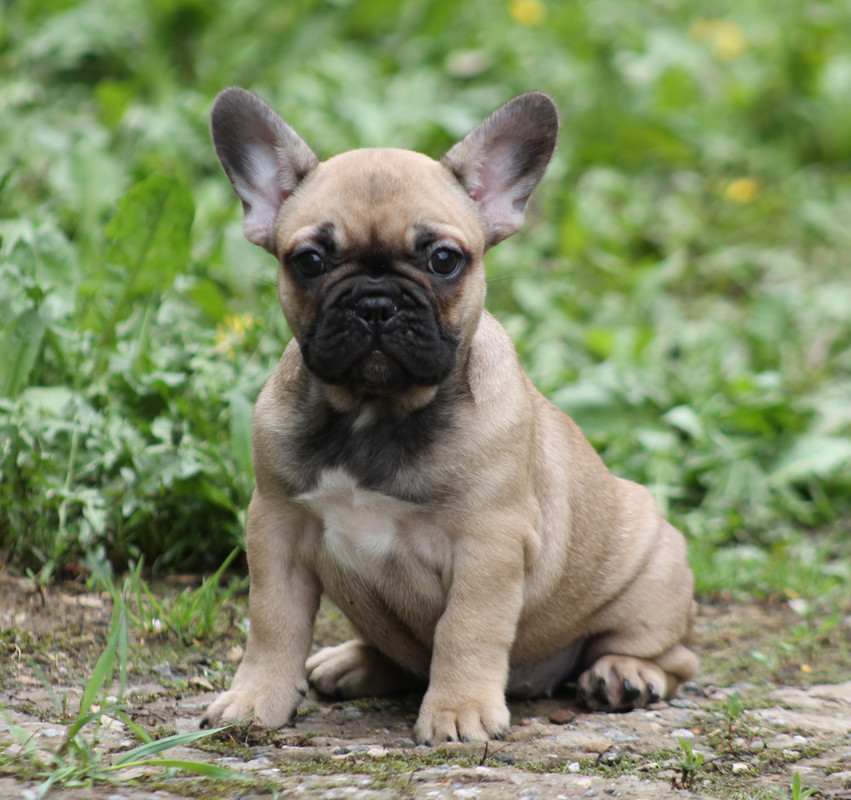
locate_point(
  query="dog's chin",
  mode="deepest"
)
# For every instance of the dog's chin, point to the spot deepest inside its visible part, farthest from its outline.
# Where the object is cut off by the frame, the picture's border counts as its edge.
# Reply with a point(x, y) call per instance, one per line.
point(377, 372)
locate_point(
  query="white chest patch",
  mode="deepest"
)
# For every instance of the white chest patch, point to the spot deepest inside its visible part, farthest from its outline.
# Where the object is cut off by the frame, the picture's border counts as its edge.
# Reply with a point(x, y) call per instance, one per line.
point(362, 528)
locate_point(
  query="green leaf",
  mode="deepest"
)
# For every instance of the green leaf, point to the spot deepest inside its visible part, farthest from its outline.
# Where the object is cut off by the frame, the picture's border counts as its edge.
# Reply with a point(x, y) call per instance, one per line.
point(102, 673)
point(20, 345)
point(813, 457)
point(149, 239)
point(198, 767)
point(241, 412)
point(142, 751)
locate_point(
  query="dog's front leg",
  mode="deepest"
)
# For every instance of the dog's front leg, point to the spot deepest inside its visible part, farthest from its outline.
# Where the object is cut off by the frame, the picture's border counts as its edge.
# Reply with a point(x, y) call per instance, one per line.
point(465, 700)
point(282, 603)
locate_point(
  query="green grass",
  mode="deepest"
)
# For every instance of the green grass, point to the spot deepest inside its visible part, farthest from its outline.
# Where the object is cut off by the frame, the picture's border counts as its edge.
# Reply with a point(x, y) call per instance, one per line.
point(81, 759)
point(194, 615)
point(681, 287)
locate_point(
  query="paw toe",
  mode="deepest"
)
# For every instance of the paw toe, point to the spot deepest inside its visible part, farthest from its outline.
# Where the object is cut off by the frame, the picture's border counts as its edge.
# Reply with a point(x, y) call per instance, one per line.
point(616, 683)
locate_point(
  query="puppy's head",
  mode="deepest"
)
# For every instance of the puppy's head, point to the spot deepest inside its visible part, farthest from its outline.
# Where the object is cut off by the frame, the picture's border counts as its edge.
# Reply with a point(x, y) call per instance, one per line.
point(381, 276)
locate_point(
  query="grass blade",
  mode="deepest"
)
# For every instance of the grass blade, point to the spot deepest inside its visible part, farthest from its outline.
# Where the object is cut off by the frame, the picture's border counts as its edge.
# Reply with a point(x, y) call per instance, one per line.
point(198, 767)
point(101, 674)
point(159, 745)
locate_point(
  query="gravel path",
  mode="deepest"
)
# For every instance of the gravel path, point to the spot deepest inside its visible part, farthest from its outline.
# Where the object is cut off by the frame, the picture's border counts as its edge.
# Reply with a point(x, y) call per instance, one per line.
point(362, 750)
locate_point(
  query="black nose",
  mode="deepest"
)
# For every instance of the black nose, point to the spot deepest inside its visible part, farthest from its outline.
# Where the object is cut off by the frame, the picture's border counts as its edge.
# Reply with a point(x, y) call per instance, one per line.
point(376, 308)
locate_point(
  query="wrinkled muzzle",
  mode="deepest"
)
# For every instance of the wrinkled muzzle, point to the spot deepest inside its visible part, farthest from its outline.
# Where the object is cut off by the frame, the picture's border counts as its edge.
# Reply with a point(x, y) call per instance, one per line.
point(379, 334)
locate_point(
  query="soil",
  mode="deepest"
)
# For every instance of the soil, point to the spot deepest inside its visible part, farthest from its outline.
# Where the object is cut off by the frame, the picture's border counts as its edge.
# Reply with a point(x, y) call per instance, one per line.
point(790, 670)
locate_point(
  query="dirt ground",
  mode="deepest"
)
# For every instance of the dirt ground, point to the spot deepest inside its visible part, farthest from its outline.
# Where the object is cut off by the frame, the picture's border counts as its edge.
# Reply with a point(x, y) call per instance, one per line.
point(790, 669)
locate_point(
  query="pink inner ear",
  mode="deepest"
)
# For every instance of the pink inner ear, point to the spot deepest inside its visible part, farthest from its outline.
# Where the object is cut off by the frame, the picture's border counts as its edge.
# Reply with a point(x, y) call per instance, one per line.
point(493, 174)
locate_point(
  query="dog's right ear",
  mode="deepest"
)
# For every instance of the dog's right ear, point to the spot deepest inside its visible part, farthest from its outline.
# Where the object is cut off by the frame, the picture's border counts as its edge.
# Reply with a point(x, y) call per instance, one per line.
point(264, 158)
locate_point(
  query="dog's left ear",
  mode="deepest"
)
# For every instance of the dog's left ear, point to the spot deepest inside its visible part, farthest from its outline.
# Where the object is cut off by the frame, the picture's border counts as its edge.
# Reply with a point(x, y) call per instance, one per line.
point(501, 160)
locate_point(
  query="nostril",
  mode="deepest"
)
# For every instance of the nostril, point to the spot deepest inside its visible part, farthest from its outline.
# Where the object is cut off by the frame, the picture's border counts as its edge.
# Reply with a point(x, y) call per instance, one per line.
point(376, 308)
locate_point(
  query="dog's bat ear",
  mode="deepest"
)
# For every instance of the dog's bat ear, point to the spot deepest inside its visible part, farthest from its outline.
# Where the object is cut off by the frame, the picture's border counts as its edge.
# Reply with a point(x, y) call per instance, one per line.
point(264, 158)
point(500, 162)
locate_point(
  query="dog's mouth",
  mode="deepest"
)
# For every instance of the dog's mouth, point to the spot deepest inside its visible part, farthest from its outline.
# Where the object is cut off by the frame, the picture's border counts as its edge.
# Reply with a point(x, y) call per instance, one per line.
point(378, 335)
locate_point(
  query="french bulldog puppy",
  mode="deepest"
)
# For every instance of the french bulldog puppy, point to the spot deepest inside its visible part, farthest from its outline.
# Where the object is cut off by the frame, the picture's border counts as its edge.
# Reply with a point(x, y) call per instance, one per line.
point(406, 466)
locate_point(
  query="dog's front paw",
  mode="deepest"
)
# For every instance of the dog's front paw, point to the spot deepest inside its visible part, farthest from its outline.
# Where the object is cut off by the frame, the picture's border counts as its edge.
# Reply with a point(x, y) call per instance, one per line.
point(269, 706)
point(354, 669)
point(618, 683)
point(451, 717)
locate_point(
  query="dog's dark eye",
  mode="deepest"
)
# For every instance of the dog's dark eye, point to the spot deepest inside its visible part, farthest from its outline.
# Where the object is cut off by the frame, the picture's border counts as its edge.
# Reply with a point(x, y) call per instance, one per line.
point(445, 262)
point(308, 262)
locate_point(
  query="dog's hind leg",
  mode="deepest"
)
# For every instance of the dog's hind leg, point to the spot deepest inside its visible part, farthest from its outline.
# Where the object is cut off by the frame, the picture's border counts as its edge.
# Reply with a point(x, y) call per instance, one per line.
point(615, 682)
point(355, 669)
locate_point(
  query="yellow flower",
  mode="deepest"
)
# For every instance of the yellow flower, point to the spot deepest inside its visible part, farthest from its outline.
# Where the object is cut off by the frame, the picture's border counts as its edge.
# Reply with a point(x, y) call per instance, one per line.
point(806, 668)
point(527, 12)
point(232, 332)
point(727, 38)
point(239, 323)
point(742, 190)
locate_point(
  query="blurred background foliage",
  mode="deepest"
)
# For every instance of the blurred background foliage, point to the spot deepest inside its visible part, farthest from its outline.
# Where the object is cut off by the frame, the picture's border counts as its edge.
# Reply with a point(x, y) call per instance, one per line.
point(681, 289)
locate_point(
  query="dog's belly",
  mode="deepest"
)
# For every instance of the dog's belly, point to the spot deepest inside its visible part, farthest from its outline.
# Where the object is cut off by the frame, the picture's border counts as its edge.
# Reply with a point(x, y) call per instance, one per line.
point(377, 545)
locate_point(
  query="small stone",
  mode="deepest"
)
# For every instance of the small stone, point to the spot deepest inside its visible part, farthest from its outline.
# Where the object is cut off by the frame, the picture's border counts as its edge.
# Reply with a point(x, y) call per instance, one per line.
point(784, 741)
point(163, 670)
point(235, 654)
point(352, 713)
point(573, 766)
point(838, 782)
point(199, 682)
point(682, 733)
point(610, 756)
point(740, 767)
point(562, 717)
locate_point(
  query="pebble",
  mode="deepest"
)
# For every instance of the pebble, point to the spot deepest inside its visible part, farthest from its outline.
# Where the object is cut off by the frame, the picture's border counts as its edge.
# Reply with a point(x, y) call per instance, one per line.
point(682, 733)
point(619, 736)
point(352, 713)
point(562, 717)
point(784, 741)
point(257, 763)
point(610, 756)
point(163, 670)
point(740, 767)
point(838, 781)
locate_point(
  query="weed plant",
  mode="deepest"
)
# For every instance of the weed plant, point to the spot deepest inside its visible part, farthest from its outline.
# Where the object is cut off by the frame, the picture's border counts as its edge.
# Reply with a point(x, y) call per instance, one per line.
point(81, 759)
point(193, 615)
point(681, 288)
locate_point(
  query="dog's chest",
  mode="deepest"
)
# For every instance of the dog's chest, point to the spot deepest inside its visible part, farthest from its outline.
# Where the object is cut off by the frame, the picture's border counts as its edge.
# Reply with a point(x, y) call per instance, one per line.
point(371, 534)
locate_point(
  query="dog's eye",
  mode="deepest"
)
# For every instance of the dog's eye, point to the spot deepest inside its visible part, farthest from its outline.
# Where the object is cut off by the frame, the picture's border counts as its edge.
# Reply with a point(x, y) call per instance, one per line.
point(445, 262)
point(308, 262)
